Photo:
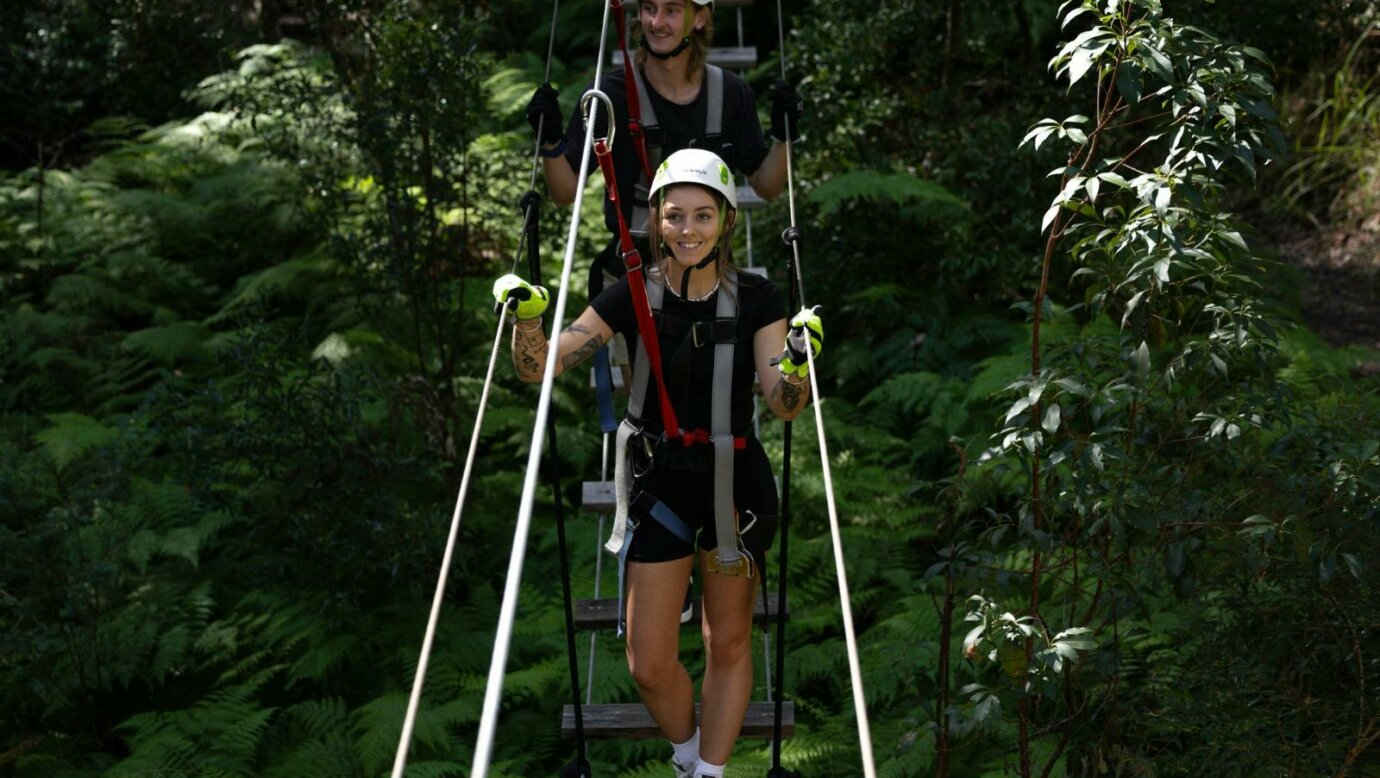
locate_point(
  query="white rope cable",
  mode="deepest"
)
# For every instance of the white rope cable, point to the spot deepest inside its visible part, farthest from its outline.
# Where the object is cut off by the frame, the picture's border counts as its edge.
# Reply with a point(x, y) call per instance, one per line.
point(405, 740)
point(845, 600)
point(493, 691)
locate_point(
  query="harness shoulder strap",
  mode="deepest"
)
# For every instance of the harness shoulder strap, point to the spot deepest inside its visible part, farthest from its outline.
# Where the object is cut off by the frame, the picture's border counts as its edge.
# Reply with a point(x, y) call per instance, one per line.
point(721, 435)
point(714, 114)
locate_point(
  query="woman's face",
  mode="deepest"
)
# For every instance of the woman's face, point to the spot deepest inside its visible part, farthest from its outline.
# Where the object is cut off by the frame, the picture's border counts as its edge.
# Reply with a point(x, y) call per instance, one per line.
point(664, 23)
point(689, 223)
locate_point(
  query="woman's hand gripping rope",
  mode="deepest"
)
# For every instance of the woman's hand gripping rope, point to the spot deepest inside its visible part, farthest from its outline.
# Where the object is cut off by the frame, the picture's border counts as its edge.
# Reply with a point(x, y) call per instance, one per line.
point(806, 331)
point(525, 300)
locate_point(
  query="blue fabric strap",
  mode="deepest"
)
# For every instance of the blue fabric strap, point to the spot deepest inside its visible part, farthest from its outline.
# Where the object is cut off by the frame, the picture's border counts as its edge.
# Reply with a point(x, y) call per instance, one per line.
point(673, 524)
point(603, 389)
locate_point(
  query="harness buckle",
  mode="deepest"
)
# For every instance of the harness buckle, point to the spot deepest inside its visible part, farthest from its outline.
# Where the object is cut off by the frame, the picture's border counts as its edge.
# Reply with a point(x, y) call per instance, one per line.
point(695, 339)
point(745, 567)
point(636, 258)
point(642, 465)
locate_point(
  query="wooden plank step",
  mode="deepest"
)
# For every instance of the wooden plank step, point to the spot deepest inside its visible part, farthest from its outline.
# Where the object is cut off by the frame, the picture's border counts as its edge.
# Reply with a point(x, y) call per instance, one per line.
point(731, 57)
point(631, 721)
point(598, 497)
point(603, 613)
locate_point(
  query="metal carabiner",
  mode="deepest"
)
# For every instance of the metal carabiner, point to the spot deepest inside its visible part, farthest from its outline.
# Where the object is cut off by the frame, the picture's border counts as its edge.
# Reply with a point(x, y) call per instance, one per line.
point(585, 99)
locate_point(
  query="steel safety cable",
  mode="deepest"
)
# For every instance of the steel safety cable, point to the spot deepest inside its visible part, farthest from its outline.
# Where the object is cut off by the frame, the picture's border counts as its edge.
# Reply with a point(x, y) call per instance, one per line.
point(536, 148)
point(405, 741)
point(493, 690)
point(845, 600)
point(558, 503)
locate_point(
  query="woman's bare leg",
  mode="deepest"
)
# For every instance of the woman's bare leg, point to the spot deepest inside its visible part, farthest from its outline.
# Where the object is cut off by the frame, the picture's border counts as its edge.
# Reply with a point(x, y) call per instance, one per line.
point(656, 591)
point(727, 687)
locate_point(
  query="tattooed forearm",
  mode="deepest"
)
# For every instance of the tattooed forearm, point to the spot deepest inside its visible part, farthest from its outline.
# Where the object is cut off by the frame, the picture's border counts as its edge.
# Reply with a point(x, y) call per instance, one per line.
point(529, 352)
point(789, 395)
point(580, 354)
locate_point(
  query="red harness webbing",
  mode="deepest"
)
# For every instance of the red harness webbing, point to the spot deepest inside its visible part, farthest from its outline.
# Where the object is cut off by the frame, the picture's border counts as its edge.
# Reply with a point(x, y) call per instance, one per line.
point(630, 87)
point(632, 261)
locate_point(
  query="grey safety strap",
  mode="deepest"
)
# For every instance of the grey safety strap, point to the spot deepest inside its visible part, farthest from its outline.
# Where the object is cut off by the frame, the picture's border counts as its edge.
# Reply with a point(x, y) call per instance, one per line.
point(638, 225)
point(713, 127)
point(622, 470)
point(721, 431)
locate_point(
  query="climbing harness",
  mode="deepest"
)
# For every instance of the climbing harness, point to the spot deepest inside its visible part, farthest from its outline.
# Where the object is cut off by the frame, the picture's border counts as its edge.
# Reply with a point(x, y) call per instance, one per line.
point(651, 126)
point(729, 558)
point(647, 294)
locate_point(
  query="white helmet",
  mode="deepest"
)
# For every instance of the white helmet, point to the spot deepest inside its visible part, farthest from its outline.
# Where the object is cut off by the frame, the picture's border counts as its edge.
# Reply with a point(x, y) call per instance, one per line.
point(695, 166)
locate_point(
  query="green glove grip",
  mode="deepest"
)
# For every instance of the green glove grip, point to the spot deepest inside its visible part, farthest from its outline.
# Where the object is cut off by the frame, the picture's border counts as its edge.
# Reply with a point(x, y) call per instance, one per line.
point(525, 300)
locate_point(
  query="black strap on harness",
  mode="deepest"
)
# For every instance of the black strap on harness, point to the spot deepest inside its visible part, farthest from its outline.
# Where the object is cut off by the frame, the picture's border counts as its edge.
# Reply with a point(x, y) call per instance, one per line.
point(579, 767)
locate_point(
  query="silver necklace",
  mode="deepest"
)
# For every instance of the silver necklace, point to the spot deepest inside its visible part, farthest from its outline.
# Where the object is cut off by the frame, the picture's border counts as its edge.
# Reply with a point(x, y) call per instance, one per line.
point(699, 299)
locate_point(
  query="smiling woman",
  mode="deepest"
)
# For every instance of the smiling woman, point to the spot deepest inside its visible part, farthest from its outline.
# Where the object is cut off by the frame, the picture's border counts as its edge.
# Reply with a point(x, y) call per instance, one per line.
point(695, 486)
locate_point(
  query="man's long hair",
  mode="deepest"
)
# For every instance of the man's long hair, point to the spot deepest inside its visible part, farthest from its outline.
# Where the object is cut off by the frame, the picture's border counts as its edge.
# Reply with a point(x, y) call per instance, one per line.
point(700, 40)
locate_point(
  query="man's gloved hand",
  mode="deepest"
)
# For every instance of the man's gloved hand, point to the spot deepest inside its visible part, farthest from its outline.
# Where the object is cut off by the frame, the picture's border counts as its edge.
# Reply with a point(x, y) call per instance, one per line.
point(786, 110)
point(806, 331)
point(531, 300)
point(545, 105)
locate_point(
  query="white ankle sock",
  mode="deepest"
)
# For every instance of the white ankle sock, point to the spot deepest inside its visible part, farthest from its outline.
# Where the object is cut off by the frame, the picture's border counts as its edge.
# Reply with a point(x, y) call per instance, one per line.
point(688, 753)
point(708, 770)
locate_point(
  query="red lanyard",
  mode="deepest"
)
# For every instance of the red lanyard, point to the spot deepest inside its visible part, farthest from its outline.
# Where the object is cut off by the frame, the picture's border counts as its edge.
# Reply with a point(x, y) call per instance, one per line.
point(646, 326)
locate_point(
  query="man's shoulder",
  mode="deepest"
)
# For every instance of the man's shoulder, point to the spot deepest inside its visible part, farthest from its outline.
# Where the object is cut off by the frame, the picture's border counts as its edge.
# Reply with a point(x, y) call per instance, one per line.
point(736, 86)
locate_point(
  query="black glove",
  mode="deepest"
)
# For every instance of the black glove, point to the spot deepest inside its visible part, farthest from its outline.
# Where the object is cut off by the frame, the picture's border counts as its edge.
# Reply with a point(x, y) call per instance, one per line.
point(544, 105)
point(786, 110)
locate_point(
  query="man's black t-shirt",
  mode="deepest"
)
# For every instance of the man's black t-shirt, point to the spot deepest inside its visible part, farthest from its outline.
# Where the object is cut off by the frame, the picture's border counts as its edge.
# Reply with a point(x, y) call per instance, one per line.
point(682, 126)
point(759, 304)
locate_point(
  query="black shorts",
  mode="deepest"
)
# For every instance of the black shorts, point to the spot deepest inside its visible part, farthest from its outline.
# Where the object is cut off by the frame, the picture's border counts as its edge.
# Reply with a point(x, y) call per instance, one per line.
point(683, 479)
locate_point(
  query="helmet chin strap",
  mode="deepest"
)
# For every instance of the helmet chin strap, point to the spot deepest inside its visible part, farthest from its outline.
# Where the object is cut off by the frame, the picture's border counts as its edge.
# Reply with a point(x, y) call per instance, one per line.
point(684, 42)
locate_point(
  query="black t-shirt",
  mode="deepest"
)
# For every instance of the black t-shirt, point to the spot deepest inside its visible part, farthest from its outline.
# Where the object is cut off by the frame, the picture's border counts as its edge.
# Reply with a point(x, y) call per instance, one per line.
point(759, 304)
point(681, 126)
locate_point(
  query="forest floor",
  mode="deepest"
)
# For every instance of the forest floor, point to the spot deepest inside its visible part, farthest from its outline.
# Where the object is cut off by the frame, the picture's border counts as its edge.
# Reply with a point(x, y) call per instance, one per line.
point(1340, 264)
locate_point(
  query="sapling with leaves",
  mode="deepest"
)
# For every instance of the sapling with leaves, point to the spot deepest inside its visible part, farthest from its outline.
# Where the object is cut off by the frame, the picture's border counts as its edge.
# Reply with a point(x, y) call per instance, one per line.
point(1165, 337)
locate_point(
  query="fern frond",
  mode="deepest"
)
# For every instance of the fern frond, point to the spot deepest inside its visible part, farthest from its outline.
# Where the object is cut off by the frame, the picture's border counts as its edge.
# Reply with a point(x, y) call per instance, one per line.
point(170, 343)
point(898, 189)
point(72, 435)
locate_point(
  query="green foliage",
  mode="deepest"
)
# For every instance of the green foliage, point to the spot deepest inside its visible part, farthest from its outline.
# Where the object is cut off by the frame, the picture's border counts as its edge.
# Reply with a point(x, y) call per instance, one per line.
point(239, 355)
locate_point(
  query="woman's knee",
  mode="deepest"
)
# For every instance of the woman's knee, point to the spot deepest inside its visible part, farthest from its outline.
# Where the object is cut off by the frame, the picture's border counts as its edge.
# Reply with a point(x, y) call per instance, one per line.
point(650, 669)
point(728, 646)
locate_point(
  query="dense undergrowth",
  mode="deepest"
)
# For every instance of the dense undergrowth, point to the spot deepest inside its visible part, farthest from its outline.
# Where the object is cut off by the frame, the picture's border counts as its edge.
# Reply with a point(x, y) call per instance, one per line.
point(239, 356)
